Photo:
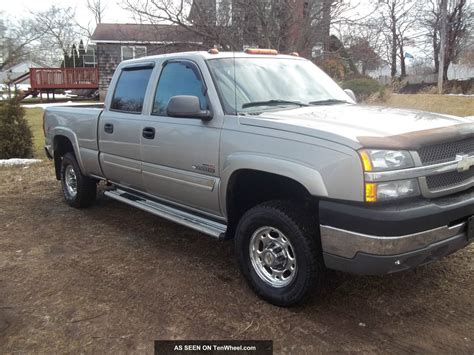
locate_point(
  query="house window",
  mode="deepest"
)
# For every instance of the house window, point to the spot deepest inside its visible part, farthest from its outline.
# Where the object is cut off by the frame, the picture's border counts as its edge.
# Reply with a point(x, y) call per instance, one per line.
point(132, 52)
point(224, 12)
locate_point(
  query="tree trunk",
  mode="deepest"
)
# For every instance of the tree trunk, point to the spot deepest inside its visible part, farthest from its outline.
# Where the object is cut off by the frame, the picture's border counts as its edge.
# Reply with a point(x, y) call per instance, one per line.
point(403, 66)
point(394, 44)
point(436, 51)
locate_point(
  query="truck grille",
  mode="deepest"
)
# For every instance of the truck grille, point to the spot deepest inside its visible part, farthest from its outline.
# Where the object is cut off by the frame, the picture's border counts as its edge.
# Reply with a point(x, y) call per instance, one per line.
point(447, 180)
point(439, 153)
point(445, 152)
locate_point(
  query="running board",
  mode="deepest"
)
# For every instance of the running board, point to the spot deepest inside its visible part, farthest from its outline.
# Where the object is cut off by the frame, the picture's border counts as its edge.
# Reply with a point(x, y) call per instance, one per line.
point(201, 224)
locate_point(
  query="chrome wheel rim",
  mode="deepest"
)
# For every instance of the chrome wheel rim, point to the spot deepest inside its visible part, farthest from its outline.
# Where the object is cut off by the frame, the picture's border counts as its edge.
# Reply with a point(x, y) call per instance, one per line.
point(71, 181)
point(273, 257)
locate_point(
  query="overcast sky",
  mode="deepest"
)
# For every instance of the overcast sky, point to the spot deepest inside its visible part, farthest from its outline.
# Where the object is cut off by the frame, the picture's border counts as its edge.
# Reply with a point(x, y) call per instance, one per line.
point(113, 14)
point(17, 8)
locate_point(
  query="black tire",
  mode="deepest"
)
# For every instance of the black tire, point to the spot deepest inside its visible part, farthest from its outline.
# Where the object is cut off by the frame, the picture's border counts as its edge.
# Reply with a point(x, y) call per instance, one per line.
point(85, 186)
point(302, 233)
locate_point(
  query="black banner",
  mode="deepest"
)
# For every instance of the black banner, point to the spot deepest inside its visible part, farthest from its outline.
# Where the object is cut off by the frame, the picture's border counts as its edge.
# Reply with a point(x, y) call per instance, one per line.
point(214, 347)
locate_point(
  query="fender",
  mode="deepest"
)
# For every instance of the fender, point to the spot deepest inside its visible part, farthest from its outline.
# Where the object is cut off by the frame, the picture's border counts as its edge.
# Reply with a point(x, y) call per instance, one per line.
point(305, 175)
point(68, 133)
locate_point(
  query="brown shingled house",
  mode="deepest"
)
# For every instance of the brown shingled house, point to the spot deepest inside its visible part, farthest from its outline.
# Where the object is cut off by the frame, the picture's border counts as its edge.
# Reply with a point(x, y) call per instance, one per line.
point(116, 42)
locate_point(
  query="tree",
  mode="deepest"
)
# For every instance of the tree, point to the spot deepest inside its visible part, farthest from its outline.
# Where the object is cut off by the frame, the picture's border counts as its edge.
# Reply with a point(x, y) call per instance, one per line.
point(15, 133)
point(397, 19)
point(97, 8)
point(458, 28)
point(286, 25)
point(19, 38)
point(363, 53)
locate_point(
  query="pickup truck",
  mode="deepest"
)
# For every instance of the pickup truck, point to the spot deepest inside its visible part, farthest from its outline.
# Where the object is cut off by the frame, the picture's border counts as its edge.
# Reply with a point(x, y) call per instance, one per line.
point(268, 151)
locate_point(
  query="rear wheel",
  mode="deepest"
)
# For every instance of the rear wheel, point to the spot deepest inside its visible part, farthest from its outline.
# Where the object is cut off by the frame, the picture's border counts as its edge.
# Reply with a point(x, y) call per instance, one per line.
point(79, 190)
point(278, 251)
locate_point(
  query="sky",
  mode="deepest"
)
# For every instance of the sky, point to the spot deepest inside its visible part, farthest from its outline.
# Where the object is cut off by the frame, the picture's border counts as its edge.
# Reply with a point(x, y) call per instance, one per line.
point(113, 14)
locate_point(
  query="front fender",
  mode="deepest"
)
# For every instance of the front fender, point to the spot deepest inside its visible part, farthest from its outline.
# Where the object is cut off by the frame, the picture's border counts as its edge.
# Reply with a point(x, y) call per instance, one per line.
point(303, 174)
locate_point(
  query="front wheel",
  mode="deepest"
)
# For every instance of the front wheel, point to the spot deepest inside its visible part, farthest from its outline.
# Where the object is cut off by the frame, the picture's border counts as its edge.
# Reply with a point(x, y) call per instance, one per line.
point(79, 190)
point(279, 253)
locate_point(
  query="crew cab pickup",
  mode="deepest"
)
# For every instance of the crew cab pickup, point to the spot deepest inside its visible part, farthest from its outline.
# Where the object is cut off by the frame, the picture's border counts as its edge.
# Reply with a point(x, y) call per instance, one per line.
point(267, 150)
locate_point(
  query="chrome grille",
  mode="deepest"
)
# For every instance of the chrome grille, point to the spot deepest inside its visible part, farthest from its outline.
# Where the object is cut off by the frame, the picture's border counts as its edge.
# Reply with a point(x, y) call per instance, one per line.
point(439, 153)
point(447, 180)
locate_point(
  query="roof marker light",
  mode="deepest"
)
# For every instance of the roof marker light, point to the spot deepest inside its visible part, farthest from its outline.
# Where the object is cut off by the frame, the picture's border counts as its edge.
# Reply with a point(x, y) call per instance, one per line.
point(213, 51)
point(261, 51)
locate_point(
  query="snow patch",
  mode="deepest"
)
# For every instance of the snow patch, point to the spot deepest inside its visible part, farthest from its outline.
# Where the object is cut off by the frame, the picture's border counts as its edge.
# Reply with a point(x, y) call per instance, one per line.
point(18, 162)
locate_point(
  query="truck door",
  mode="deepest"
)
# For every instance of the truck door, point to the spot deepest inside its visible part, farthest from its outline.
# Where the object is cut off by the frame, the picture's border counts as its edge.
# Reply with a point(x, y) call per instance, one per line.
point(120, 127)
point(181, 155)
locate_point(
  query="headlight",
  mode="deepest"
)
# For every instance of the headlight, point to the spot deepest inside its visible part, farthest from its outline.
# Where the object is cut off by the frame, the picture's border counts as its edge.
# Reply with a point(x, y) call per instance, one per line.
point(391, 190)
point(382, 160)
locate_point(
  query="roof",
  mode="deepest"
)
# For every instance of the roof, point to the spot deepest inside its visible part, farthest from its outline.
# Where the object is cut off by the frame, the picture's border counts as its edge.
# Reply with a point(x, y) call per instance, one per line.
point(197, 55)
point(142, 33)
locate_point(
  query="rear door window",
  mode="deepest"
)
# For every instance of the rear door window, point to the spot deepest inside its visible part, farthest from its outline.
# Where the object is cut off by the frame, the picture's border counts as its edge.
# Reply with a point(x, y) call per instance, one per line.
point(130, 90)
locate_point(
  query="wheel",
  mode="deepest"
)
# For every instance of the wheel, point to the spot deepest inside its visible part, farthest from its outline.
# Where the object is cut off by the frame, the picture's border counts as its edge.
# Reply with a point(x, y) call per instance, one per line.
point(278, 251)
point(79, 190)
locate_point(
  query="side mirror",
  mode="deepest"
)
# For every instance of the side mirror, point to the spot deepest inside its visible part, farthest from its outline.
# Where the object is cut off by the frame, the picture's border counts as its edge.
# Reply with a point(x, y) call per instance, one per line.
point(185, 106)
point(351, 94)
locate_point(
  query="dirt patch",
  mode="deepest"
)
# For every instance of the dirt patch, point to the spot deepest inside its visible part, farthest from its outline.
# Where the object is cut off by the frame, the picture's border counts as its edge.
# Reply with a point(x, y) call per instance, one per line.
point(112, 279)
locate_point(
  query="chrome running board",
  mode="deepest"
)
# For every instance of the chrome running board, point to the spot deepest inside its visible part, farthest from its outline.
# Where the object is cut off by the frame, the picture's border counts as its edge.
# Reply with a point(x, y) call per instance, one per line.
point(201, 224)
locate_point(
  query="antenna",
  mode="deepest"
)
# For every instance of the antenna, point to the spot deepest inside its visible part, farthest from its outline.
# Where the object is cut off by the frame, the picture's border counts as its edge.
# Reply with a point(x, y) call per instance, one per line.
point(235, 84)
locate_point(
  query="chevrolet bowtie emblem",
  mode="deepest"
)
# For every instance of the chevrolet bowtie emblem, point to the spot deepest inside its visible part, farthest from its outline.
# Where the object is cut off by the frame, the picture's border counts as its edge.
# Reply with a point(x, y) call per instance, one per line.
point(464, 162)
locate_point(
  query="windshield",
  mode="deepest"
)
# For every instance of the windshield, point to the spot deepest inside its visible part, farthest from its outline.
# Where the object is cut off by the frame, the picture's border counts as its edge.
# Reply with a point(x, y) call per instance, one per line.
point(270, 83)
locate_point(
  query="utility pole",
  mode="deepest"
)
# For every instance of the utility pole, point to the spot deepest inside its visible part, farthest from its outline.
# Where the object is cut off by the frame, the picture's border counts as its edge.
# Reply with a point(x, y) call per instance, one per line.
point(442, 51)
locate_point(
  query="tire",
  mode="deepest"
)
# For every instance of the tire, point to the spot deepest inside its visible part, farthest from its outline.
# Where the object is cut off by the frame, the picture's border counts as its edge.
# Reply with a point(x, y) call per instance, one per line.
point(85, 187)
point(277, 236)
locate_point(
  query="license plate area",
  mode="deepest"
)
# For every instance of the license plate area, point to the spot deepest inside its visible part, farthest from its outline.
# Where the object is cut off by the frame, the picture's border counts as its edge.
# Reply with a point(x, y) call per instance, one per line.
point(470, 228)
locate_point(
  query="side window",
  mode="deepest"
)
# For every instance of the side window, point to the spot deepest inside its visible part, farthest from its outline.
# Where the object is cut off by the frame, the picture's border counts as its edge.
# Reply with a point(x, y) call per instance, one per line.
point(130, 90)
point(178, 79)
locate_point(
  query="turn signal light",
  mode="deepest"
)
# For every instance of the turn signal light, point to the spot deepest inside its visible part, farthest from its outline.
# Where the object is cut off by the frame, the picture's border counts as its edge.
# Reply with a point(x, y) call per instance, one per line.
point(366, 162)
point(370, 192)
point(261, 51)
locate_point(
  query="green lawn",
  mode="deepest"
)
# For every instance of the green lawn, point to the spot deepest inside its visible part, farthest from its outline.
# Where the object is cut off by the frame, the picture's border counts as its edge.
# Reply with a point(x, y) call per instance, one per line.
point(35, 119)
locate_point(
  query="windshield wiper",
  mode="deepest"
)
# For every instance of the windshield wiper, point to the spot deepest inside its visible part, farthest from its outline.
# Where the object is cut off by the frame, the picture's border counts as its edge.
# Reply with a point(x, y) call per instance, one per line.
point(328, 102)
point(273, 103)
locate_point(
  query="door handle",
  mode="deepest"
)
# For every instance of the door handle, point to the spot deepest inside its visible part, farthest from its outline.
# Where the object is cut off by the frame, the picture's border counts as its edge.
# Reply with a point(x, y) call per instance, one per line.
point(109, 128)
point(148, 133)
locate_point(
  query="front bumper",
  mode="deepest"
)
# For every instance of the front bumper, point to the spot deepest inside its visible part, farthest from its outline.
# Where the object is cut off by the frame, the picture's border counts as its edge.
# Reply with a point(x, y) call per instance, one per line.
point(374, 239)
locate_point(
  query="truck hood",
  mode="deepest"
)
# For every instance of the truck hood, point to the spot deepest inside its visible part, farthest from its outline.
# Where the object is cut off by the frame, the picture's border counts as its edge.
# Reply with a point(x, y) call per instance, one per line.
point(366, 126)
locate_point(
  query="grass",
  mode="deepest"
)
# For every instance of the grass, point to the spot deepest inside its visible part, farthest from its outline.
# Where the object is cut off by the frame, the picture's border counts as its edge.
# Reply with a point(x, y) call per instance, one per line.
point(450, 105)
point(35, 119)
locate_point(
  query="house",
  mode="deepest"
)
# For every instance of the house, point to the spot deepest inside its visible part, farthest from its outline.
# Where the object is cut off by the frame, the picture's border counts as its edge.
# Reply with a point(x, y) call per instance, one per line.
point(18, 73)
point(117, 42)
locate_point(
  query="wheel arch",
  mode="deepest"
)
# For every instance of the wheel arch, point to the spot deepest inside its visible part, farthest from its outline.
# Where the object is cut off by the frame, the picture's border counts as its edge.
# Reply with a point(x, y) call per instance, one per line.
point(248, 180)
point(65, 141)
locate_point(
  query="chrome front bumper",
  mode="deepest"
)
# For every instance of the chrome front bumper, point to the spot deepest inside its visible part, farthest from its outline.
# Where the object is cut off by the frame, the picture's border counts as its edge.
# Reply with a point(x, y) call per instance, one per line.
point(347, 244)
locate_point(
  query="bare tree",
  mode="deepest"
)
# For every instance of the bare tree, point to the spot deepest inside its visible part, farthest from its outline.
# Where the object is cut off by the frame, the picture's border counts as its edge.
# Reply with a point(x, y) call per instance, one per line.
point(97, 8)
point(18, 41)
point(458, 28)
point(397, 18)
point(58, 27)
point(282, 24)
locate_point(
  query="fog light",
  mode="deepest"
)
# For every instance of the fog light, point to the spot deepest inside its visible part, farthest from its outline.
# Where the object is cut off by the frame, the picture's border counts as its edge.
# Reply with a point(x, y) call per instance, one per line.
point(391, 190)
